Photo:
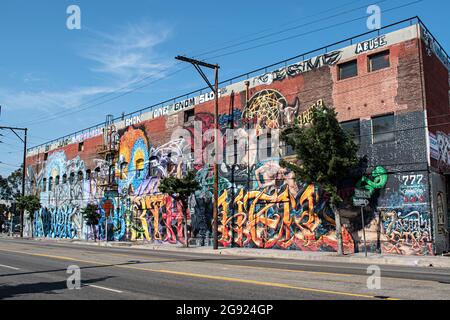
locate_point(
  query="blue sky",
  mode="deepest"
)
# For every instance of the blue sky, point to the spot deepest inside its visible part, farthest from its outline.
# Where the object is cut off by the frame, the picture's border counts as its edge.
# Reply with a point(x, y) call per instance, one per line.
point(48, 72)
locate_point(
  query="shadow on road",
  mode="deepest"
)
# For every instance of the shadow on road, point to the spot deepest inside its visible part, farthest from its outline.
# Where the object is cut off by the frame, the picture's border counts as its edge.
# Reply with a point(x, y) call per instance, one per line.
point(9, 292)
point(131, 262)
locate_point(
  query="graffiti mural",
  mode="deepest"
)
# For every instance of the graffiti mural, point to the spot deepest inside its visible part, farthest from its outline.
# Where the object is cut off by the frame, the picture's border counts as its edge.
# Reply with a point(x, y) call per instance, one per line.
point(279, 220)
point(328, 59)
point(443, 152)
point(405, 218)
point(407, 232)
point(261, 204)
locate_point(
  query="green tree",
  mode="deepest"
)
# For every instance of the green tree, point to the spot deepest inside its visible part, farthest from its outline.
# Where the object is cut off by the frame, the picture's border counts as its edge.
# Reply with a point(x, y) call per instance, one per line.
point(30, 204)
point(326, 156)
point(92, 216)
point(3, 217)
point(10, 187)
point(180, 190)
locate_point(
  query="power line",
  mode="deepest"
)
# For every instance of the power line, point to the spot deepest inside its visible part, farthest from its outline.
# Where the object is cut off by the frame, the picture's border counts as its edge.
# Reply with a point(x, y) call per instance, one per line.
point(67, 113)
point(286, 60)
point(109, 93)
point(103, 102)
point(309, 32)
point(151, 75)
point(325, 86)
point(289, 29)
point(194, 54)
point(9, 165)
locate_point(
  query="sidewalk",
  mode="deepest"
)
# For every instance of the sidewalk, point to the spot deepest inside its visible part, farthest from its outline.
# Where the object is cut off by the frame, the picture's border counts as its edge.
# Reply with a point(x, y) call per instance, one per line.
point(359, 258)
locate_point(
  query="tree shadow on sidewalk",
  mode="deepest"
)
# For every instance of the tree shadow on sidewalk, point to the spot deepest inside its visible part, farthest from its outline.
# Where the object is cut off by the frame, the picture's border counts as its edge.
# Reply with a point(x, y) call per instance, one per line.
point(50, 288)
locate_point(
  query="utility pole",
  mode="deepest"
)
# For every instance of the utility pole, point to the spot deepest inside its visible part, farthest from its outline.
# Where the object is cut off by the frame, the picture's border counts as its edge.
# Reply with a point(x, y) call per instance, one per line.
point(197, 64)
point(24, 140)
point(23, 181)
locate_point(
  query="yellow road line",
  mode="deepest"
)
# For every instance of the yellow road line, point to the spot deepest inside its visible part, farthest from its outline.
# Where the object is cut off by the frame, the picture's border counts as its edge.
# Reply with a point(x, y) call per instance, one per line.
point(204, 276)
point(54, 257)
point(290, 270)
point(235, 265)
point(255, 282)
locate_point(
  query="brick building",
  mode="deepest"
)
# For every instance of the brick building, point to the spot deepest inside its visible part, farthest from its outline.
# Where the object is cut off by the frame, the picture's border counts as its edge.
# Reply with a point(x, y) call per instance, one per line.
point(391, 89)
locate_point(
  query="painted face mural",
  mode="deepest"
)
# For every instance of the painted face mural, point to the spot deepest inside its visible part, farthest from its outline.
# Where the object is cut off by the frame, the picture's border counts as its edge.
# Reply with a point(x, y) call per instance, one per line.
point(133, 164)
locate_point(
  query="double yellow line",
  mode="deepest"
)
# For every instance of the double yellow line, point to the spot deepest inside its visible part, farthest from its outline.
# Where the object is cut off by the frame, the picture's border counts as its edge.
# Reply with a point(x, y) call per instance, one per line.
point(204, 276)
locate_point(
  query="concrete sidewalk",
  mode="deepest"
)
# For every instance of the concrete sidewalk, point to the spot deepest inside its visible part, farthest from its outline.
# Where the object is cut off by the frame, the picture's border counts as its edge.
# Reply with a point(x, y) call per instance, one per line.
point(359, 258)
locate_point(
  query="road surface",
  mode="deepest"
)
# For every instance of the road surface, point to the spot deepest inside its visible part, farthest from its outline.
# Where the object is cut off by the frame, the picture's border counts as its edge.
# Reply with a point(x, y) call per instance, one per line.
point(38, 270)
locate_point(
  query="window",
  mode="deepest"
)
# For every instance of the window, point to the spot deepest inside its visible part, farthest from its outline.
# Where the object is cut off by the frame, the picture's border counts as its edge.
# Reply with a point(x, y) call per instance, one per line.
point(383, 129)
point(64, 179)
point(111, 173)
point(88, 175)
point(352, 128)
point(50, 184)
point(269, 145)
point(379, 61)
point(231, 152)
point(287, 150)
point(72, 178)
point(44, 185)
point(96, 173)
point(81, 147)
point(123, 167)
point(57, 181)
point(80, 176)
point(189, 115)
point(348, 70)
point(45, 156)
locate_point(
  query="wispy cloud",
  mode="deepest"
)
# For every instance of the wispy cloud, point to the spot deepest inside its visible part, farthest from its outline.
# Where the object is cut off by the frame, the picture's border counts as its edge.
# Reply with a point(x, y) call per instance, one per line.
point(31, 77)
point(48, 101)
point(122, 57)
point(130, 53)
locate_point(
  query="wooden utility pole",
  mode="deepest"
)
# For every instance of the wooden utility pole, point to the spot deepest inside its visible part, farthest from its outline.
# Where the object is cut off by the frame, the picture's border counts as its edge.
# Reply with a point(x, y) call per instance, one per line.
point(197, 64)
point(216, 161)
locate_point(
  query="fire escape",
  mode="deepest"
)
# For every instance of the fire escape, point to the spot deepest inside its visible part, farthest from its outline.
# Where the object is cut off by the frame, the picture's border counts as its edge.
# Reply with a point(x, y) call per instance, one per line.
point(108, 151)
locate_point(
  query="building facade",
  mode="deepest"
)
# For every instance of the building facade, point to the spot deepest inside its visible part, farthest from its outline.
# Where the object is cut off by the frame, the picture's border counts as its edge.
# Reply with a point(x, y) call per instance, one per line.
point(390, 90)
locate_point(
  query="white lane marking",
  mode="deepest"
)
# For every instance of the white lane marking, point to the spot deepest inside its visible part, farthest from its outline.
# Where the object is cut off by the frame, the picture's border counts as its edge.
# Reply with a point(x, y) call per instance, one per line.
point(104, 288)
point(8, 267)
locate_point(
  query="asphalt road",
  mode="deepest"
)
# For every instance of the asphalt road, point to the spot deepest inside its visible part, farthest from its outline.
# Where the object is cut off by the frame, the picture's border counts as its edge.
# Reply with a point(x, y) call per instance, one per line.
point(38, 270)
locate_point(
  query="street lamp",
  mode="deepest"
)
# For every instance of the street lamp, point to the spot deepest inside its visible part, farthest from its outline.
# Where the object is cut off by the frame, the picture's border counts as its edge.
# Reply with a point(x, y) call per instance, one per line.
point(197, 65)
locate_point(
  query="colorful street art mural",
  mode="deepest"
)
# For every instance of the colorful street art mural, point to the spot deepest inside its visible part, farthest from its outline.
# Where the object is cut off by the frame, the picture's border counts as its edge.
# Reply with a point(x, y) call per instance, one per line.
point(261, 204)
point(405, 217)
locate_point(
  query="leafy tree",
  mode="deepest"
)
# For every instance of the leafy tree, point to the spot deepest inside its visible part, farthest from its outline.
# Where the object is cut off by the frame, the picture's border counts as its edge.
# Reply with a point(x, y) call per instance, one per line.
point(30, 204)
point(326, 156)
point(180, 189)
point(3, 210)
point(10, 187)
point(92, 216)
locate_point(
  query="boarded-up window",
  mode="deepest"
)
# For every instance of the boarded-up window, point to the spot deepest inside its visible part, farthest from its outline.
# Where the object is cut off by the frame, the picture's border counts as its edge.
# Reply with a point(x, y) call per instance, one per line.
point(352, 128)
point(348, 70)
point(383, 129)
point(379, 61)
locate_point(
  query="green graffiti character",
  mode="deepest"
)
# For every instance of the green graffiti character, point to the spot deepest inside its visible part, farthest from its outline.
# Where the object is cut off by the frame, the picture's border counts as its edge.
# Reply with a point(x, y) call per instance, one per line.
point(380, 178)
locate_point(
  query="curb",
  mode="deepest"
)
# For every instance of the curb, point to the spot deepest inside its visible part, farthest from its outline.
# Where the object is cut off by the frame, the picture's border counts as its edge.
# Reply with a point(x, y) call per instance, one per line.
point(410, 261)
